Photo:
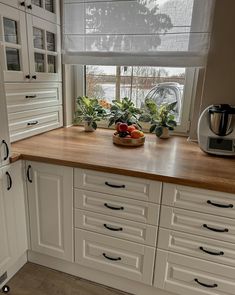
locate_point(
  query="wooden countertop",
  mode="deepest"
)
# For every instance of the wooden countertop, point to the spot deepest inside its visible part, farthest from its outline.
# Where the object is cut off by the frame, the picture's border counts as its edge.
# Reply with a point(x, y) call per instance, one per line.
point(173, 160)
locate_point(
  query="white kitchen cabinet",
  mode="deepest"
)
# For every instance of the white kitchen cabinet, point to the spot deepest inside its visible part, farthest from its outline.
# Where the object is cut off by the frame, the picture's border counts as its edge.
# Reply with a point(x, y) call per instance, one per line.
point(4, 134)
point(45, 9)
point(30, 47)
point(50, 197)
point(15, 3)
point(12, 216)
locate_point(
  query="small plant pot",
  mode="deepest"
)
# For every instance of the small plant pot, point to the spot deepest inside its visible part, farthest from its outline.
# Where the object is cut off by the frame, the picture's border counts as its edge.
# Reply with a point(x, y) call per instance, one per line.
point(165, 133)
point(88, 127)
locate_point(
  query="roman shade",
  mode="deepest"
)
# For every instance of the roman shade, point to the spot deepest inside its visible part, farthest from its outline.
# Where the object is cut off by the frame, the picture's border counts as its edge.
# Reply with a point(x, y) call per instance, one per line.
point(171, 33)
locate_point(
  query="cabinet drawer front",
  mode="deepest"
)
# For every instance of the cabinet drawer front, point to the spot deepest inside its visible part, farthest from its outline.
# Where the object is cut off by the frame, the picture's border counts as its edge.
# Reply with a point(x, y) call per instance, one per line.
point(191, 276)
point(28, 123)
point(197, 246)
point(117, 206)
point(211, 226)
point(206, 201)
point(116, 227)
point(121, 258)
point(136, 188)
point(22, 97)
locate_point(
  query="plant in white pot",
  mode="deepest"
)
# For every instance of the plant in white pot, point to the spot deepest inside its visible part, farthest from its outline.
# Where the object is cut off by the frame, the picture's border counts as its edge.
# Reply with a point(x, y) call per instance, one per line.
point(89, 111)
point(161, 118)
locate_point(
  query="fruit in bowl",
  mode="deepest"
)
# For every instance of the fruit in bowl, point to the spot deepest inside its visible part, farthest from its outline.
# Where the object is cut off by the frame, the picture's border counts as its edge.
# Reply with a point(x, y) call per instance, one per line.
point(128, 135)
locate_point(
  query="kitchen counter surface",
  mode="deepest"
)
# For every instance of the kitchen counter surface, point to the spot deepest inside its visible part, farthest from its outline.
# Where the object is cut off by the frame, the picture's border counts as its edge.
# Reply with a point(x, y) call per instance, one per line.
point(173, 160)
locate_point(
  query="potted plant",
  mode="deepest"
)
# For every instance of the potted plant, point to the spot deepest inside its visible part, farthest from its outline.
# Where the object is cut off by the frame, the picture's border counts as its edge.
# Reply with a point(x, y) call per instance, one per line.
point(161, 118)
point(124, 111)
point(89, 111)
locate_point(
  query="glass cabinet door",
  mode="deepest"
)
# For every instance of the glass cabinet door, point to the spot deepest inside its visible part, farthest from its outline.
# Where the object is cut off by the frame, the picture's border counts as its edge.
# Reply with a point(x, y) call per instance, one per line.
point(46, 9)
point(44, 49)
point(14, 44)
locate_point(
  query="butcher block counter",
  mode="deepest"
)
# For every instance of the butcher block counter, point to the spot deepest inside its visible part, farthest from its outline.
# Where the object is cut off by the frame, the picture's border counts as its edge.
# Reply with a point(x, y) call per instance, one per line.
point(174, 160)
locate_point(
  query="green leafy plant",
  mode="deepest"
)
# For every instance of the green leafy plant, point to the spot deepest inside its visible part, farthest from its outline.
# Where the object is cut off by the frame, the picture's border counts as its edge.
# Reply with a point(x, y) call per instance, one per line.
point(124, 111)
point(159, 116)
point(89, 110)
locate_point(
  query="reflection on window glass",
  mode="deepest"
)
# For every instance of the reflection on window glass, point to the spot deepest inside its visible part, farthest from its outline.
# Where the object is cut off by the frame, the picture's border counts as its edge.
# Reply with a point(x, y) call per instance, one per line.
point(37, 2)
point(49, 5)
point(39, 62)
point(10, 30)
point(51, 60)
point(13, 59)
point(50, 41)
point(163, 85)
point(38, 38)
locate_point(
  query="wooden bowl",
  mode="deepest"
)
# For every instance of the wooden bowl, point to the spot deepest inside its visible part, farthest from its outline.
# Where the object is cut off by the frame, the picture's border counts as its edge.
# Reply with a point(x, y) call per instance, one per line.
point(128, 141)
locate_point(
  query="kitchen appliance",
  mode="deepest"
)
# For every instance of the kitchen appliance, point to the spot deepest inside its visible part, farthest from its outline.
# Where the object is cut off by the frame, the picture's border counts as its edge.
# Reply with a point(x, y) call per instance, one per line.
point(216, 130)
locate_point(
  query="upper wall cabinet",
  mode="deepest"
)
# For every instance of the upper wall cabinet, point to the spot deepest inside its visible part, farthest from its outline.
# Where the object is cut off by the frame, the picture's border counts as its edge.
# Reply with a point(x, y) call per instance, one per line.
point(13, 44)
point(30, 47)
point(45, 9)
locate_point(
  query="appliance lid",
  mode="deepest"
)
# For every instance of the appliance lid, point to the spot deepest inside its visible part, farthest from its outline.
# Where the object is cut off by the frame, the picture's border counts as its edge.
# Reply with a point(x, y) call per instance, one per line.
point(222, 108)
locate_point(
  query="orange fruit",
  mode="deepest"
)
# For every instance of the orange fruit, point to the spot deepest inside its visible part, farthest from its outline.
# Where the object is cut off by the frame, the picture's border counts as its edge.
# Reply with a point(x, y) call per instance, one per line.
point(136, 134)
point(131, 128)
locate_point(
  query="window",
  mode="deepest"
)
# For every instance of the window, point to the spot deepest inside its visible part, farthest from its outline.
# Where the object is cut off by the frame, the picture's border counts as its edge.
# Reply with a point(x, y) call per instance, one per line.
point(162, 84)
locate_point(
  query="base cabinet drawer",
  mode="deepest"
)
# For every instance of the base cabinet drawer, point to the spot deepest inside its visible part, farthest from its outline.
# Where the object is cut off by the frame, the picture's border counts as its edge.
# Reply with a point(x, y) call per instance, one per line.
point(205, 201)
point(126, 186)
point(117, 206)
point(185, 275)
point(116, 227)
point(197, 246)
point(29, 123)
point(121, 258)
point(211, 226)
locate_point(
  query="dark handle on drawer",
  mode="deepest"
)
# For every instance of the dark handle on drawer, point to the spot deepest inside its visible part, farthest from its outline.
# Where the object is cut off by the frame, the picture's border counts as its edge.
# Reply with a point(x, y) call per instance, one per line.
point(30, 96)
point(113, 208)
point(28, 174)
point(7, 150)
point(218, 230)
point(34, 77)
point(9, 181)
point(220, 205)
point(212, 253)
point(22, 3)
point(27, 76)
point(112, 258)
point(114, 185)
point(113, 228)
point(32, 123)
point(205, 285)
point(29, 6)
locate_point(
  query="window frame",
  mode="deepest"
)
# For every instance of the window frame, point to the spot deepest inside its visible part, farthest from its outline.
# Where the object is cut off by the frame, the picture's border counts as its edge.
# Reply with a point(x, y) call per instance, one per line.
point(191, 79)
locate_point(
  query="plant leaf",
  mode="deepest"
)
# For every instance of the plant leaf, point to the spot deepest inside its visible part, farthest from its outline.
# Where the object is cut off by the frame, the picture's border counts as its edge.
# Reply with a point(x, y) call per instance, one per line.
point(152, 128)
point(159, 131)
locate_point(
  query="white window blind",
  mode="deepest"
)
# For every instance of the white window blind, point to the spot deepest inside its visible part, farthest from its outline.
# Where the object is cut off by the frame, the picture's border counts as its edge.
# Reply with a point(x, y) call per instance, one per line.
point(172, 33)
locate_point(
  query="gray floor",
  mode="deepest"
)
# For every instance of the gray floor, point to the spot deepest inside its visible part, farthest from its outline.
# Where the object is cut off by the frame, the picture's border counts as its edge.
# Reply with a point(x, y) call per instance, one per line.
point(33, 279)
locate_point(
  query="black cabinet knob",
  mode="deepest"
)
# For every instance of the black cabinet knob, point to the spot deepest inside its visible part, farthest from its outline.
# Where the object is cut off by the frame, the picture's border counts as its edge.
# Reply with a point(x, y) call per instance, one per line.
point(29, 7)
point(34, 77)
point(27, 76)
point(22, 3)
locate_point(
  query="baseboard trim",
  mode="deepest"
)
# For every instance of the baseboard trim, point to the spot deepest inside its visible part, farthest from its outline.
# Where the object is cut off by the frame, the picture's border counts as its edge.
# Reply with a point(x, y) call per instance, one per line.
point(99, 277)
point(15, 268)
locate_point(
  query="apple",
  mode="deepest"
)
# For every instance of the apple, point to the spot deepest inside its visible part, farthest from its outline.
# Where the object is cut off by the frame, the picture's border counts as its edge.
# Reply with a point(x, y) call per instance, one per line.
point(117, 125)
point(123, 127)
point(131, 128)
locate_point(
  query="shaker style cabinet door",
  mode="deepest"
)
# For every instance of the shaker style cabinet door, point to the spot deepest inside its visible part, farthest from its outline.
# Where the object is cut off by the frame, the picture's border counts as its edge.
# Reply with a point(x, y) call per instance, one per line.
point(13, 44)
point(44, 50)
point(19, 4)
point(50, 197)
point(45, 9)
point(4, 135)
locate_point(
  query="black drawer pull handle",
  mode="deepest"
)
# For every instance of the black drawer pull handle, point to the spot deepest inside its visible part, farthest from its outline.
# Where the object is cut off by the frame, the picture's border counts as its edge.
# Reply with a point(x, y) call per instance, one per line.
point(34, 77)
point(112, 207)
point(113, 228)
point(205, 285)
point(28, 174)
point(27, 76)
point(7, 150)
point(112, 258)
point(32, 123)
point(30, 6)
point(220, 205)
point(221, 253)
point(22, 4)
point(30, 96)
point(218, 230)
point(114, 185)
point(9, 181)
